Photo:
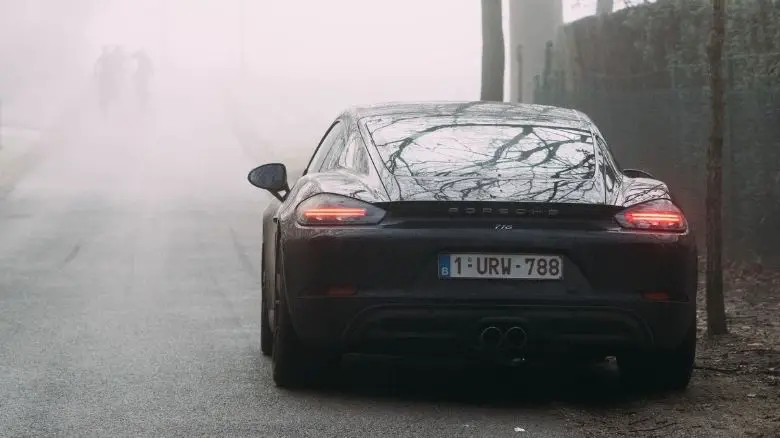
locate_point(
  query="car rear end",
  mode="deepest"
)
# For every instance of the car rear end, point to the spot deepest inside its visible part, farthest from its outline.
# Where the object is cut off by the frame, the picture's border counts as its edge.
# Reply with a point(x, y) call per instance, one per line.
point(457, 278)
point(500, 236)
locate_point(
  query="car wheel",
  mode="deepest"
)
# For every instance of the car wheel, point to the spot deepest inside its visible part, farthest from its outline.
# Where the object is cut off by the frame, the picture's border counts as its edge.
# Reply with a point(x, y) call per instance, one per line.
point(665, 370)
point(294, 364)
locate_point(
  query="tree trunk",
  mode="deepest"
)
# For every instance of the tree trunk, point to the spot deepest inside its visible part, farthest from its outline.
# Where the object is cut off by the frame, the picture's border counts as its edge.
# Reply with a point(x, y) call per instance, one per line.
point(605, 7)
point(492, 51)
point(716, 314)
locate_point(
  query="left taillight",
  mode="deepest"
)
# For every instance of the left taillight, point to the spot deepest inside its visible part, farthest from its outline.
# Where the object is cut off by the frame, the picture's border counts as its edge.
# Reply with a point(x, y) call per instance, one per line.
point(328, 209)
point(658, 215)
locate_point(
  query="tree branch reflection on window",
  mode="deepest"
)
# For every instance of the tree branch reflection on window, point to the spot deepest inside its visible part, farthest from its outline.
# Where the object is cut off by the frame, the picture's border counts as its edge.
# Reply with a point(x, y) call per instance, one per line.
point(455, 146)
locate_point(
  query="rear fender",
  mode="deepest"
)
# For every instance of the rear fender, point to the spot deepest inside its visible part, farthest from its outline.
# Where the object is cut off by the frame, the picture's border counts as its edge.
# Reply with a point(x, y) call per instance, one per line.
point(637, 190)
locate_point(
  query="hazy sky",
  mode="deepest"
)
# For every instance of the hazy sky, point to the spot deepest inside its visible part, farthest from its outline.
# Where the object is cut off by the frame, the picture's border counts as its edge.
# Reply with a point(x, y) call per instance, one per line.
point(364, 50)
point(398, 38)
point(307, 37)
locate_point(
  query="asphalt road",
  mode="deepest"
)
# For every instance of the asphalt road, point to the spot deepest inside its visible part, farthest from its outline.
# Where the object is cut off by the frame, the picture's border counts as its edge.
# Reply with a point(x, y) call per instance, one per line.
point(129, 306)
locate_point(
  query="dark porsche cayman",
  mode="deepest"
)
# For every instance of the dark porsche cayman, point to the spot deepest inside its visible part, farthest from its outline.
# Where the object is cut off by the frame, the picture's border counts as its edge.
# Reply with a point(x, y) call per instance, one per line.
point(494, 230)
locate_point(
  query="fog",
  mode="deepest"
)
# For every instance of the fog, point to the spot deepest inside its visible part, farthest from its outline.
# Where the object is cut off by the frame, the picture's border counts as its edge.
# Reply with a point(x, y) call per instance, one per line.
point(268, 75)
point(275, 72)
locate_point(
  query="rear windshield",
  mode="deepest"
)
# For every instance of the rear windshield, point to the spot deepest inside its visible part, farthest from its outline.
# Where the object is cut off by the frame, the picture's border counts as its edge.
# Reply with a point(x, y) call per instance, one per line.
point(451, 147)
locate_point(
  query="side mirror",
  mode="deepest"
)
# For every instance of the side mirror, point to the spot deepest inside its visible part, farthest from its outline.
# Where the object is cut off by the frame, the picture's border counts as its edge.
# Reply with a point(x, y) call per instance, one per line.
point(271, 177)
point(636, 173)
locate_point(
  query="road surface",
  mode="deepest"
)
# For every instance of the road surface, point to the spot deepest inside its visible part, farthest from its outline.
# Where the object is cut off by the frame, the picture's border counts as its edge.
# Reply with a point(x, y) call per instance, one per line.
point(129, 305)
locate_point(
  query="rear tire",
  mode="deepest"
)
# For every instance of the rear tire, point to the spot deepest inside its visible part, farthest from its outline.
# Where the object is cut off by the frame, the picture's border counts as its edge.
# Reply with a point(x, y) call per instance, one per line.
point(296, 365)
point(665, 370)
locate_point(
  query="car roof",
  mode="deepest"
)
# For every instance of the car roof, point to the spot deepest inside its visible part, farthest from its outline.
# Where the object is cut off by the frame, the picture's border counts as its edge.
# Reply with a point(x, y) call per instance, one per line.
point(504, 111)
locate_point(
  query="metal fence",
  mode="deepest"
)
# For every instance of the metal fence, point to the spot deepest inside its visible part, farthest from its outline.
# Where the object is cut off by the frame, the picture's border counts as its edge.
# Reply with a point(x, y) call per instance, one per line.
point(667, 132)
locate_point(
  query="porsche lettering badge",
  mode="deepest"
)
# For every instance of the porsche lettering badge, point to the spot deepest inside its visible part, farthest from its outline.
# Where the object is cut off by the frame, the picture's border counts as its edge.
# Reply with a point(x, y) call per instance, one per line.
point(517, 212)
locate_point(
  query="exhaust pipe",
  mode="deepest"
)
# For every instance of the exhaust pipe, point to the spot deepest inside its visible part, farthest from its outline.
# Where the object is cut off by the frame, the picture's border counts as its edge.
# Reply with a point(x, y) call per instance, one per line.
point(515, 337)
point(490, 337)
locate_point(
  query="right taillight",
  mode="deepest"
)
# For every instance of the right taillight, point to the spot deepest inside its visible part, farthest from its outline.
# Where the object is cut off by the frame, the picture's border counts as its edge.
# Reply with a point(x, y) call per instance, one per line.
point(658, 215)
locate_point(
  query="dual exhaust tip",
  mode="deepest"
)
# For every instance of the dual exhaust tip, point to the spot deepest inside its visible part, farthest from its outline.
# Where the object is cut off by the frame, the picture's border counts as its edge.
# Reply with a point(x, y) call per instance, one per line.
point(513, 338)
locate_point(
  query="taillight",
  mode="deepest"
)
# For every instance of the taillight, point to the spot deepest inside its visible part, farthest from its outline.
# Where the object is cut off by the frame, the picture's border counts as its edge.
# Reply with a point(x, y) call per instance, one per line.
point(328, 209)
point(658, 215)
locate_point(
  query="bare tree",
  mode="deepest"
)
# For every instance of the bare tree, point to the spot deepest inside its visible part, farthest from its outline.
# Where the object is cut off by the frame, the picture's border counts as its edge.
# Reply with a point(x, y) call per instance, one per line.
point(492, 51)
point(716, 314)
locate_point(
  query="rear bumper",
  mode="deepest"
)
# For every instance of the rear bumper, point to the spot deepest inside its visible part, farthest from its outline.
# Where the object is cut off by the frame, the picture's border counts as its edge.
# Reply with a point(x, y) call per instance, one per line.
point(382, 262)
point(402, 306)
point(428, 327)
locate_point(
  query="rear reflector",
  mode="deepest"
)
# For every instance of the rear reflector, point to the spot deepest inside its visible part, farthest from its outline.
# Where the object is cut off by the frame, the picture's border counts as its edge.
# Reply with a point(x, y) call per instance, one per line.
point(341, 291)
point(655, 296)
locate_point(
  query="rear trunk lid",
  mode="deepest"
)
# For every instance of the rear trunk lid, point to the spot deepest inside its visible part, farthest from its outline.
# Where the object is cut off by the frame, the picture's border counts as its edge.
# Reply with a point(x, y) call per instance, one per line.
point(483, 202)
point(479, 189)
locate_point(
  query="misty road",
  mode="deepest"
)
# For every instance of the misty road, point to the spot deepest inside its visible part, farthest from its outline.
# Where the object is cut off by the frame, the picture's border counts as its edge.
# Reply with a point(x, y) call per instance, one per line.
point(131, 306)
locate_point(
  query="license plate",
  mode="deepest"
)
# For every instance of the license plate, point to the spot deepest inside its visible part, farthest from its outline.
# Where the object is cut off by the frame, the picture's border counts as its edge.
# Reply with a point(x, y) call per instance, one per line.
point(501, 266)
